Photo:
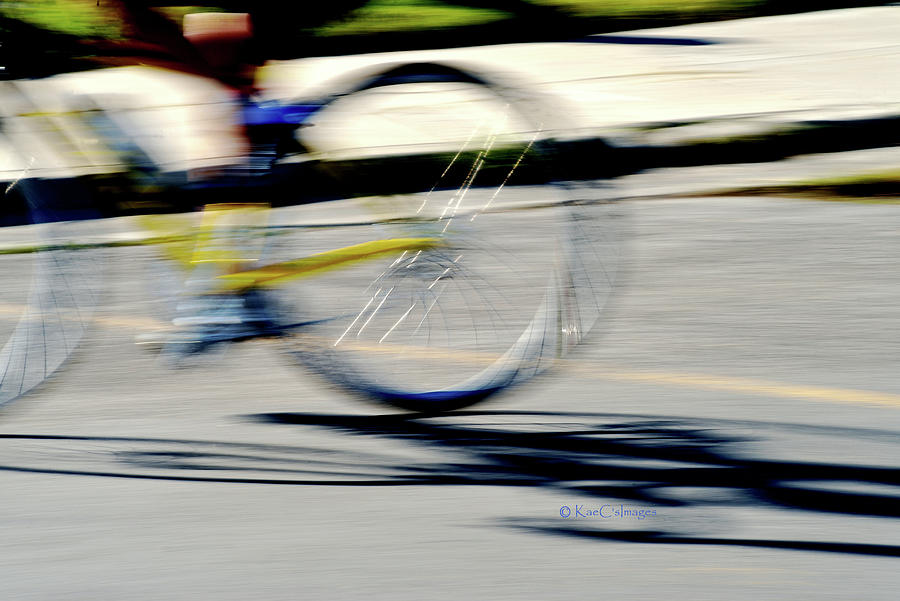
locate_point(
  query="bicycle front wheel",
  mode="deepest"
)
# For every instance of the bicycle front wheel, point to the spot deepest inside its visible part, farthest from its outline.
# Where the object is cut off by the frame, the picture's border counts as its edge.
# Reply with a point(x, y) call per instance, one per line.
point(495, 265)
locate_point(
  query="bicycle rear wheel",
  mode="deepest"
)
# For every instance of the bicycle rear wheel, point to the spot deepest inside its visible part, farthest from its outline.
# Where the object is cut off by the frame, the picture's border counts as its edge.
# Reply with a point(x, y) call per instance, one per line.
point(48, 290)
point(518, 268)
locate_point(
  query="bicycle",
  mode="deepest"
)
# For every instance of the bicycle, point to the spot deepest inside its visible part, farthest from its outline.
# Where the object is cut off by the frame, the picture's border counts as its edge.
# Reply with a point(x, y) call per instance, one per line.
point(469, 276)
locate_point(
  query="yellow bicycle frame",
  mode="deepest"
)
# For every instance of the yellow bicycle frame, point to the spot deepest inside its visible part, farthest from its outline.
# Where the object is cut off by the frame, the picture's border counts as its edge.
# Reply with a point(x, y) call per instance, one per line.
point(221, 239)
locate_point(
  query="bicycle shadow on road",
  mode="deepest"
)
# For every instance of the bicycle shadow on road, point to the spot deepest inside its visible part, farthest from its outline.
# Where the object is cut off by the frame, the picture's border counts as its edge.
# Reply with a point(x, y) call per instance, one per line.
point(672, 464)
point(637, 460)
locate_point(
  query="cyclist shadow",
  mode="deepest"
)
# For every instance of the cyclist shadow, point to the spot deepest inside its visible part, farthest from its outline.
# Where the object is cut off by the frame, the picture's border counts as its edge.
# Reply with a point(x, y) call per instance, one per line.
point(692, 472)
point(635, 461)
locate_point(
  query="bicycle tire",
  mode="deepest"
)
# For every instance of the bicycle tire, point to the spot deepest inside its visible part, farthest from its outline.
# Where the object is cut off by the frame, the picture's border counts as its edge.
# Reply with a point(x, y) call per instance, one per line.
point(488, 341)
point(482, 340)
point(52, 282)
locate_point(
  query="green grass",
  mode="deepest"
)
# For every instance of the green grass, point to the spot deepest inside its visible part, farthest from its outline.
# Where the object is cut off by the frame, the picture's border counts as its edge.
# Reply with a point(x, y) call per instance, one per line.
point(88, 18)
point(887, 177)
point(82, 18)
point(382, 16)
point(878, 187)
point(650, 8)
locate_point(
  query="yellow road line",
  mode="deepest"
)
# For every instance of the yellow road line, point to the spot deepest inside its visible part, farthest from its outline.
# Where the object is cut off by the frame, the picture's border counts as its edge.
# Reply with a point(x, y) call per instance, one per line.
point(742, 385)
point(111, 321)
point(136, 323)
point(598, 371)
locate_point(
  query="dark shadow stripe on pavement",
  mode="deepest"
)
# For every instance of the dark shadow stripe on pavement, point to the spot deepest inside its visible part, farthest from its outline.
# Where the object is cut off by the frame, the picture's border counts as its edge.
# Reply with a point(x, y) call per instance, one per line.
point(661, 538)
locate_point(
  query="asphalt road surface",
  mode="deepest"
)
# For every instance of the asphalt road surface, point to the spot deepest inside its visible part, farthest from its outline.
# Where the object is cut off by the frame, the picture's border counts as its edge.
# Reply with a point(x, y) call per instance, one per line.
point(744, 392)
